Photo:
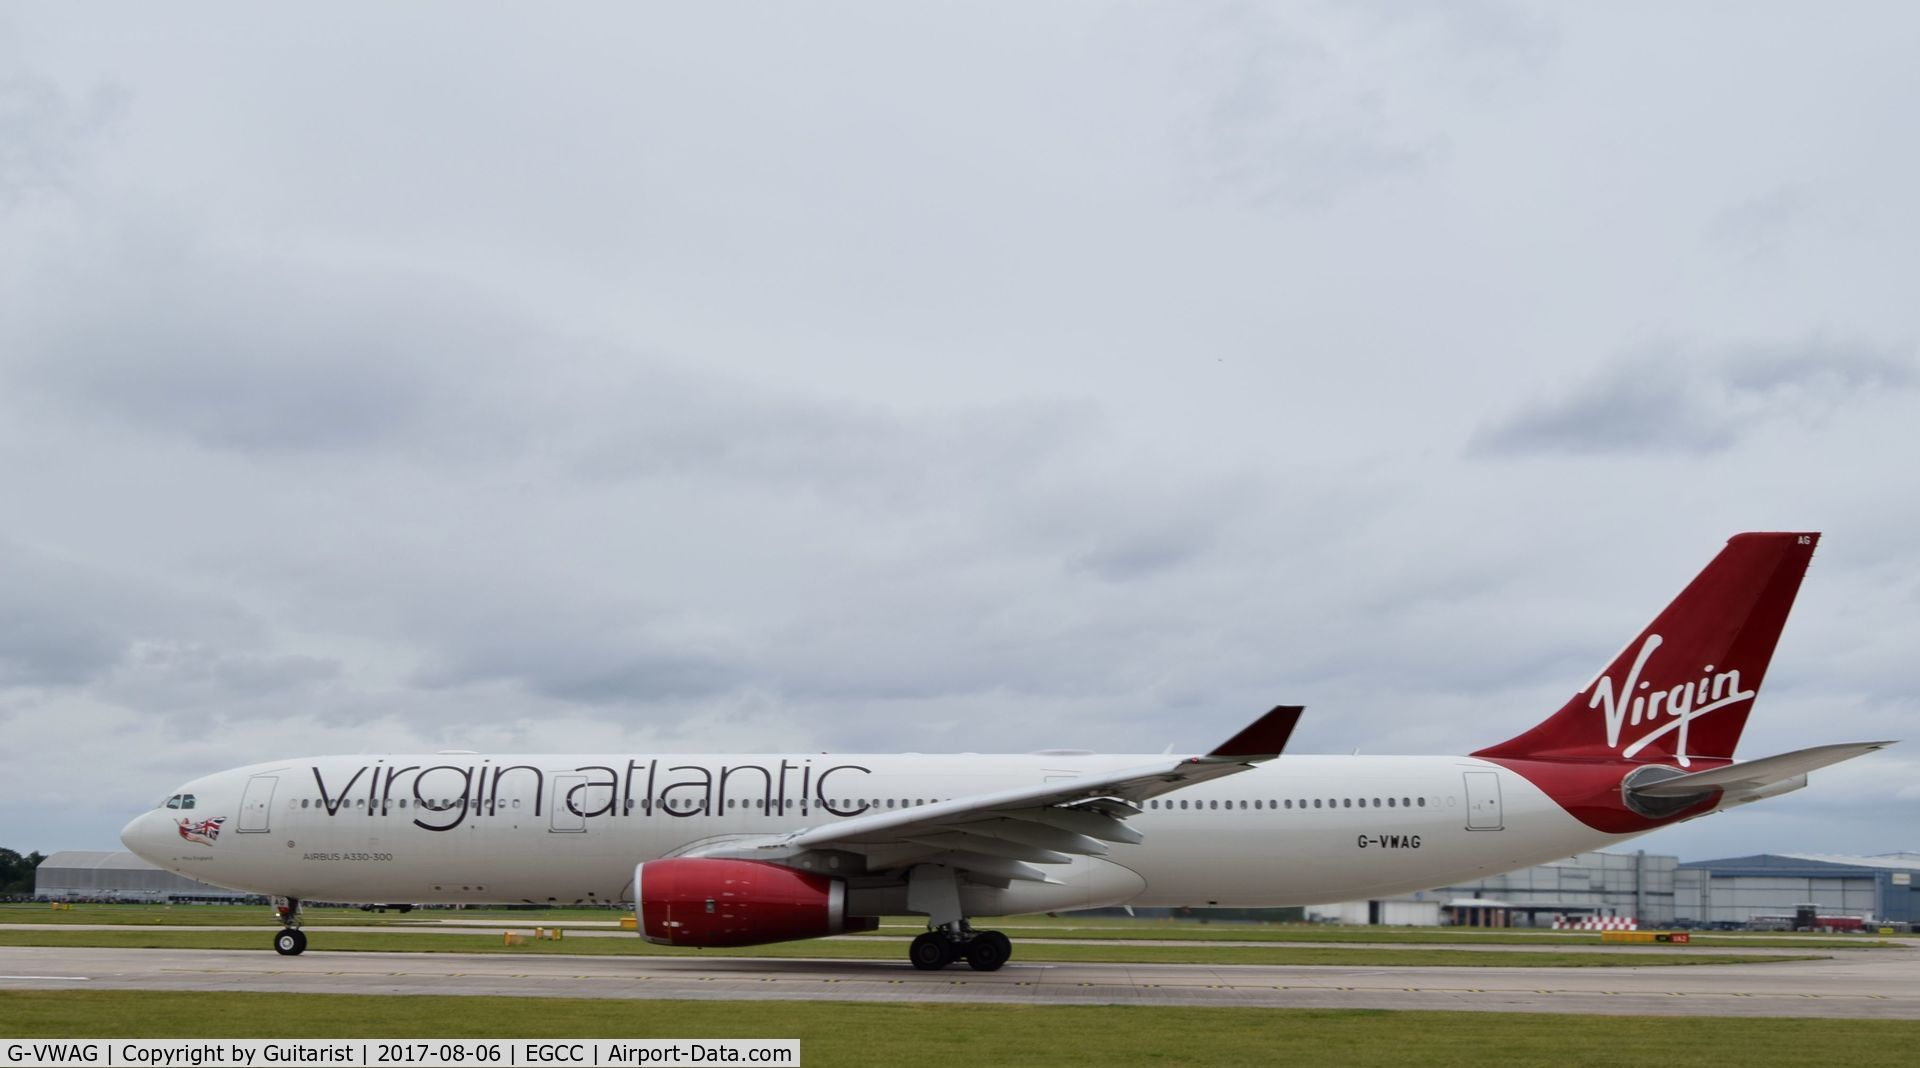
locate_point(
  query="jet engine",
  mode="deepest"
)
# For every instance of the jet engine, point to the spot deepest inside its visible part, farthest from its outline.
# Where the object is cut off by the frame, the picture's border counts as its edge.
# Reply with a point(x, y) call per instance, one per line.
point(710, 902)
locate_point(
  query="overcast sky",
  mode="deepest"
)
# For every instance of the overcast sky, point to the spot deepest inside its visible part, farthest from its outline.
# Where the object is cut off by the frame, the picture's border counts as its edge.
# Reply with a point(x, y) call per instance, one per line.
point(940, 377)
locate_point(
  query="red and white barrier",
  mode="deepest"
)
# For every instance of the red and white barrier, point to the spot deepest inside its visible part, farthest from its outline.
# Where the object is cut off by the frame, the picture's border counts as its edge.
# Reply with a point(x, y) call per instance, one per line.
point(1596, 923)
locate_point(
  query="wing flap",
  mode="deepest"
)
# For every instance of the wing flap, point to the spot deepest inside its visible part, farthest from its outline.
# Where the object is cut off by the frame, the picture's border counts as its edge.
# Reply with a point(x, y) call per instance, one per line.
point(1035, 834)
point(1091, 824)
point(993, 847)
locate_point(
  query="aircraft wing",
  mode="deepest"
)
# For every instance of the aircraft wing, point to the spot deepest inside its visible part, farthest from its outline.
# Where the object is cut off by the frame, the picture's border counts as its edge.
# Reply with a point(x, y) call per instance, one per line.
point(1001, 836)
point(1758, 774)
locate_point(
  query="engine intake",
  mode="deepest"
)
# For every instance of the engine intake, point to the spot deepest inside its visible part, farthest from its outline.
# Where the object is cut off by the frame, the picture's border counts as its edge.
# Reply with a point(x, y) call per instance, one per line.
point(709, 902)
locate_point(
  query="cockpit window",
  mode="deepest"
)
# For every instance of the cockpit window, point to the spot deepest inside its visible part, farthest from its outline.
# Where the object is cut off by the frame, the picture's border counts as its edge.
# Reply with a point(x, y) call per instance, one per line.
point(174, 801)
point(186, 800)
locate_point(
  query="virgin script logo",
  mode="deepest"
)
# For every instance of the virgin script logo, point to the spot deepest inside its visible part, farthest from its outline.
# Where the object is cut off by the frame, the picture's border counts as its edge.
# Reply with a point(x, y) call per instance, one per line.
point(1636, 702)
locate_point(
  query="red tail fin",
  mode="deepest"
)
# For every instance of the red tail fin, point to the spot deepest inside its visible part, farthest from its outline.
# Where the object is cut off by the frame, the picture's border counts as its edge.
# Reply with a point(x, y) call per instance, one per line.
point(1683, 688)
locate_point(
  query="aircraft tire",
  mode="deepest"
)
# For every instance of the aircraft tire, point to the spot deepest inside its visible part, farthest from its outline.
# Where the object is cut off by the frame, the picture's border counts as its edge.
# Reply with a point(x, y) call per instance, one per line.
point(988, 951)
point(930, 952)
point(290, 943)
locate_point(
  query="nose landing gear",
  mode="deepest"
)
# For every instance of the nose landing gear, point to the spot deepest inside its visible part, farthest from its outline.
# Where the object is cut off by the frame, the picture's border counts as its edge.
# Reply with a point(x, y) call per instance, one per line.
point(290, 940)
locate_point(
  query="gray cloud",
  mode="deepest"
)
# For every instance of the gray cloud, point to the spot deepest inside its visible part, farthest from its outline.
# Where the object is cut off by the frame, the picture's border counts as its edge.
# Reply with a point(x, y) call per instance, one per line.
point(1285, 118)
point(650, 419)
point(1759, 226)
point(68, 624)
point(1677, 402)
point(44, 134)
point(611, 659)
point(244, 355)
point(958, 378)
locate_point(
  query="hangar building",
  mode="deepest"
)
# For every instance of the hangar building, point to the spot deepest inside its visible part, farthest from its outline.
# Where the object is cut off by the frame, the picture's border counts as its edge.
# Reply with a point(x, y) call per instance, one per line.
point(1659, 891)
point(1638, 885)
point(119, 876)
point(1757, 889)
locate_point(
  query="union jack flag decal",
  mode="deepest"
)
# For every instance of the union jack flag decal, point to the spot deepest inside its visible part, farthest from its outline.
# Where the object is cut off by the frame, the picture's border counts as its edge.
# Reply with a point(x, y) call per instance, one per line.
point(205, 832)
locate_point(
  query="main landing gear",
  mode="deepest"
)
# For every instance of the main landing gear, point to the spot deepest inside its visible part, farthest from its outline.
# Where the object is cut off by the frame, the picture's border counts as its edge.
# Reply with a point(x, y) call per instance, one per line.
point(935, 890)
point(290, 940)
point(985, 951)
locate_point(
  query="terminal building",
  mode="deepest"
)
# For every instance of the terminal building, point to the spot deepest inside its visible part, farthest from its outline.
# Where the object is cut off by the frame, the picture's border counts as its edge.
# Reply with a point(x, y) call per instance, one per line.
point(75, 875)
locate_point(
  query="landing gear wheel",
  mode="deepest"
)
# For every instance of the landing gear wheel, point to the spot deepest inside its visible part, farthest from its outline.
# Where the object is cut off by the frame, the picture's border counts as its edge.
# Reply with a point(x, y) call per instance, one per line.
point(291, 942)
point(988, 951)
point(931, 952)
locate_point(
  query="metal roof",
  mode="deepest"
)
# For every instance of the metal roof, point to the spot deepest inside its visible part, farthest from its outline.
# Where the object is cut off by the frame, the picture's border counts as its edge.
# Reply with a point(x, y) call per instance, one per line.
point(96, 859)
point(1809, 863)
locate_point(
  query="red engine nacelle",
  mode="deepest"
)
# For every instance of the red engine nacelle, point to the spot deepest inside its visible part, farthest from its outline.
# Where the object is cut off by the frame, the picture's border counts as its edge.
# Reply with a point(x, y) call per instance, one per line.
point(695, 901)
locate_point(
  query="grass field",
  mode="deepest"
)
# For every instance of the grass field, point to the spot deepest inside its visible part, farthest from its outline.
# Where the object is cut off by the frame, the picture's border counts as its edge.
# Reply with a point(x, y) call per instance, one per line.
point(882, 949)
point(839, 1033)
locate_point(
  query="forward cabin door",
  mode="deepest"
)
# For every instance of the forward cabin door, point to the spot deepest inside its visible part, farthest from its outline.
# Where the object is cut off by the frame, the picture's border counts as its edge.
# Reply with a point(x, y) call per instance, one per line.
point(1483, 801)
point(256, 804)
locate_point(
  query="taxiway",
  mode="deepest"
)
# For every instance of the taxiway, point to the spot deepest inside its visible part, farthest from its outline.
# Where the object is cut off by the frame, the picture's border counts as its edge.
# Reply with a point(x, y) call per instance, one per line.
point(1863, 985)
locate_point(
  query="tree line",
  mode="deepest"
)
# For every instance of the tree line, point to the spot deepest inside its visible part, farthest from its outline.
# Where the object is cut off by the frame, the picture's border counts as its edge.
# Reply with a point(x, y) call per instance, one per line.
point(16, 872)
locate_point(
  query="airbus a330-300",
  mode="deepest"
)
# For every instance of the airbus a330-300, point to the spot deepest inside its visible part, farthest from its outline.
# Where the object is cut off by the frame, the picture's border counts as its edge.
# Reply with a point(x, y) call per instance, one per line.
point(719, 851)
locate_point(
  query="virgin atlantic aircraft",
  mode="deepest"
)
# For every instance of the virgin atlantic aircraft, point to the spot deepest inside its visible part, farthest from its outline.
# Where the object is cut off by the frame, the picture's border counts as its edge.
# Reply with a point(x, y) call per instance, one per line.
point(719, 851)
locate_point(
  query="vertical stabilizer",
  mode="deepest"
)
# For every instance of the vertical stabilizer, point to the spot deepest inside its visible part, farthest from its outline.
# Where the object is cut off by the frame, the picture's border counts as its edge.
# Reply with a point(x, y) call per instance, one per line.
point(1682, 690)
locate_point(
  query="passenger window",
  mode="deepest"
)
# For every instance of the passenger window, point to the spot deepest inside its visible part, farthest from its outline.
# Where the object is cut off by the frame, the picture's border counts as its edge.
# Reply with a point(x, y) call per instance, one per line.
point(1316, 802)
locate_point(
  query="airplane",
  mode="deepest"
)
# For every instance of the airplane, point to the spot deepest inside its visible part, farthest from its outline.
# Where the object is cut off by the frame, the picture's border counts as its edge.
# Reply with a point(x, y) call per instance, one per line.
point(720, 851)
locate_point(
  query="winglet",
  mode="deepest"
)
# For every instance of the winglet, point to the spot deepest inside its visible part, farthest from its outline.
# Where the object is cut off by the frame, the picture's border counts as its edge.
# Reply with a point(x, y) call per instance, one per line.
point(1264, 737)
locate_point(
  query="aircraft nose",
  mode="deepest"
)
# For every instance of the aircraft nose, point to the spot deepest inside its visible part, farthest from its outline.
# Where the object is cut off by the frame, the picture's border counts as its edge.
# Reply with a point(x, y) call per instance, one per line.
point(142, 835)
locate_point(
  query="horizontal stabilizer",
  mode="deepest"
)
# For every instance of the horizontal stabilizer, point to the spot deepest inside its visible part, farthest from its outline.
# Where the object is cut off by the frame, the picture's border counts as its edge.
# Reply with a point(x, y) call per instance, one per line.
point(1756, 774)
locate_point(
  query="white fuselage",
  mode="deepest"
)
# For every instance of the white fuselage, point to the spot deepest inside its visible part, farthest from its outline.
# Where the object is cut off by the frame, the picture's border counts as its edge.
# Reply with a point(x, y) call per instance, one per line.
point(570, 828)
